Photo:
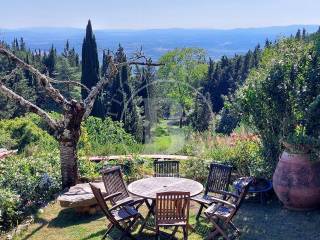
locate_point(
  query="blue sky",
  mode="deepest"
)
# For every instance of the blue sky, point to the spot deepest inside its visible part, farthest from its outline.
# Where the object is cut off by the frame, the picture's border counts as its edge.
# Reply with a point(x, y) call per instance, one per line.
point(146, 14)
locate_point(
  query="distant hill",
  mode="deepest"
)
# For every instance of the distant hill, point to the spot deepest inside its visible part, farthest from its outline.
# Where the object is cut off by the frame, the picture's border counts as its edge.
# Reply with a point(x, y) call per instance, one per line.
point(156, 42)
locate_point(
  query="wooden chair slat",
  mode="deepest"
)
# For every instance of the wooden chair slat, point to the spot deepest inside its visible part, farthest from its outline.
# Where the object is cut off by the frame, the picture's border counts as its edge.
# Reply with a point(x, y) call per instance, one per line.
point(222, 213)
point(172, 209)
point(122, 218)
point(114, 182)
point(166, 168)
point(218, 180)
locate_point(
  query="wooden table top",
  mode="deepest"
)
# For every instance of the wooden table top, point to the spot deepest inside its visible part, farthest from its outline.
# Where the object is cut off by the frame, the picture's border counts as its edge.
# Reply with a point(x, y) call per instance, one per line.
point(148, 187)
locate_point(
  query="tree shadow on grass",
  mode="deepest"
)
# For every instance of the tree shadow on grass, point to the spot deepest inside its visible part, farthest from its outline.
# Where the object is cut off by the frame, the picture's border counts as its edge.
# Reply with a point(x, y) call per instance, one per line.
point(42, 223)
point(273, 221)
point(68, 217)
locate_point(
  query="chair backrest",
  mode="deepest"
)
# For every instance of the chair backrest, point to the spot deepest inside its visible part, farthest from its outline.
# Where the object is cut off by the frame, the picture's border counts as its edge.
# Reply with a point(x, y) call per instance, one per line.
point(172, 206)
point(166, 168)
point(102, 204)
point(218, 178)
point(113, 182)
point(242, 192)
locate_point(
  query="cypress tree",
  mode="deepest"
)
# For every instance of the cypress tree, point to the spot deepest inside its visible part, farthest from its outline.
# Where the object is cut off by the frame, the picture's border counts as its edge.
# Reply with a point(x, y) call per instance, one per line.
point(145, 92)
point(90, 69)
point(304, 33)
point(202, 114)
point(298, 34)
point(123, 106)
point(50, 61)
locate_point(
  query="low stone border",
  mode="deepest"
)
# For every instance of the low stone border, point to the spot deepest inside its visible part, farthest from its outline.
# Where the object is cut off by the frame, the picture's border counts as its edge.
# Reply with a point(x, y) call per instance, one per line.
point(152, 156)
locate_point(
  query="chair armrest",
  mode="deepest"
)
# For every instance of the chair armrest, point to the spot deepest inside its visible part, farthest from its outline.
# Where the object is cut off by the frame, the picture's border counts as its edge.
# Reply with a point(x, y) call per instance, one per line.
point(124, 203)
point(111, 196)
point(218, 200)
point(229, 194)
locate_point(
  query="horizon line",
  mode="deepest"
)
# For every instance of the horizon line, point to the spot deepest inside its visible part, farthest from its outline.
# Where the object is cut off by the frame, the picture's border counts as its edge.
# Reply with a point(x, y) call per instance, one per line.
point(162, 28)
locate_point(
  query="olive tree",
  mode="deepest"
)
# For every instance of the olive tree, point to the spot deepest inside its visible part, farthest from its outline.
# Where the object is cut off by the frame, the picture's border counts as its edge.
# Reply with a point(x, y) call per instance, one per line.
point(67, 129)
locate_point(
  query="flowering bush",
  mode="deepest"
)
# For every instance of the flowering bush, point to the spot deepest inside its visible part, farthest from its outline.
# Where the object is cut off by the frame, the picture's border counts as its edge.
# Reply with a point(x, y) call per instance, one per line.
point(27, 183)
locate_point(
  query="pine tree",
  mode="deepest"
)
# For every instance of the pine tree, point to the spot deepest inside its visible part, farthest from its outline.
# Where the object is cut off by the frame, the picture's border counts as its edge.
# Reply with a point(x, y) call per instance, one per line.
point(123, 106)
point(90, 68)
point(66, 50)
point(50, 61)
point(267, 43)
point(298, 34)
point(104, 66)
point(145, 90)
point(22, 45)
point(304, 33)
point(202, 113)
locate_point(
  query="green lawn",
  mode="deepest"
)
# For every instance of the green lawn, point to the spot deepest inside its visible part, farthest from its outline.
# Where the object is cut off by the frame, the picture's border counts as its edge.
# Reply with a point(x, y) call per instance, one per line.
point(166, 138)
point(257, 222)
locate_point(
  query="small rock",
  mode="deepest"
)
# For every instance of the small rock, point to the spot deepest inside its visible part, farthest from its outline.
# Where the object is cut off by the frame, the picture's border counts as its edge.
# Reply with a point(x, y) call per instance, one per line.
point(9, 237)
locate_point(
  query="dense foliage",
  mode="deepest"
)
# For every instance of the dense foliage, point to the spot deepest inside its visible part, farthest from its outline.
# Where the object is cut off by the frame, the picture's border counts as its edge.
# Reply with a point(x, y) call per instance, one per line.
point(281, 97)
point(27, 183)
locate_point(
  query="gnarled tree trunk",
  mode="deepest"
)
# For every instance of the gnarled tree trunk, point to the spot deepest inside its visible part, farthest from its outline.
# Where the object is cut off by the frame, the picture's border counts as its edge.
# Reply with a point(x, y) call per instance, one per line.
point(69, 163)
point(68, 140)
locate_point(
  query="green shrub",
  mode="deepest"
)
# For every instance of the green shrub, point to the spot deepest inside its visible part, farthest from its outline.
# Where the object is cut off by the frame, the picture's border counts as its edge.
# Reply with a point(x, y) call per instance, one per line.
point(227, 122)
point(196, 169)
point(161, 130)
point(134, 168)
point(108, 137)
point(24, 134)
point(283, 94)
point(34, 179)
point(9, 209)
point(89, 170)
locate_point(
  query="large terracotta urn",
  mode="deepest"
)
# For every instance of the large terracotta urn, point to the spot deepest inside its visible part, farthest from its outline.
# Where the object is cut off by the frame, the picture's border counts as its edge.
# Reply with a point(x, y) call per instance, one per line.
point(296, 181)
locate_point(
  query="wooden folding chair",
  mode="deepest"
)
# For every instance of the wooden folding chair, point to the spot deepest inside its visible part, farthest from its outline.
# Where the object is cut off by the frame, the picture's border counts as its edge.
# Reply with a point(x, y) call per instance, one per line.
point(113, 182)
point(217, 184)
point(166, 168)
point(121, 216)
point(172, 209)
point(221, 212)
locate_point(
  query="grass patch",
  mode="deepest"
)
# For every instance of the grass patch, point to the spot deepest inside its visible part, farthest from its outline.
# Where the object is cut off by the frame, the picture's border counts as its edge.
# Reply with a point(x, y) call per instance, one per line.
point(166, 138)
point(256, 221)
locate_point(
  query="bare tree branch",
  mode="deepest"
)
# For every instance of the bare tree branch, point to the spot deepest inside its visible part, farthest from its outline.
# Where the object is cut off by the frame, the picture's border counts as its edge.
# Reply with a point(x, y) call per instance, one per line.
point(70, 82)
point(42, 79)
point(89, 101)
point(113, 70)
point(144, 63)
point(29, 105)
point(11, 75)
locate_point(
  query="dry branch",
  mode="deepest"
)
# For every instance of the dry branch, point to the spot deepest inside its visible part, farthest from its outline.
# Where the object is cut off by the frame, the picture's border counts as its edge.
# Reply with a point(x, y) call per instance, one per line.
point(70, 82)
point(29, 105)
point(42, 79)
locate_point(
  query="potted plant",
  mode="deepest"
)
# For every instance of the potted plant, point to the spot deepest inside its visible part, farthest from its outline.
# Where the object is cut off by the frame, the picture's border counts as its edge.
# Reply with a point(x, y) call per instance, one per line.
point(296, 180)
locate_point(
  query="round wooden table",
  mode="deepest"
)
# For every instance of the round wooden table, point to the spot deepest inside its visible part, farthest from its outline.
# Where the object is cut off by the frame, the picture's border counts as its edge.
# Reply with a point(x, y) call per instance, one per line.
point(149, 187)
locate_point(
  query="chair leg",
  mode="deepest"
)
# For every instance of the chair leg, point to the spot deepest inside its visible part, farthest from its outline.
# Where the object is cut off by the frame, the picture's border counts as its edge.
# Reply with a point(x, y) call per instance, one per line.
point(212, 235)
point(235, 228)
point(185, 232)
point(157, 233)
point(147, 217)
point(199, 212)
point(110, 227)
point(220, 230)
point(174, 232)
